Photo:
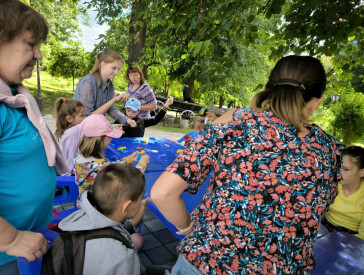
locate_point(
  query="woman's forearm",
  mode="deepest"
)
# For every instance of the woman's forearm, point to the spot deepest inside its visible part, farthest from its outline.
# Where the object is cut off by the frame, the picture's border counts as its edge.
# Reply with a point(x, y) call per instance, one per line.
point(8, 234)
point(166, 195)
point(104, 108)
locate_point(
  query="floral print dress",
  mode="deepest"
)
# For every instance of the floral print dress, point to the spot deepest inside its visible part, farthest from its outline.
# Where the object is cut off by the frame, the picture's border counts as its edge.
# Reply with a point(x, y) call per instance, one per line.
point(268, 191)
point(87, 168)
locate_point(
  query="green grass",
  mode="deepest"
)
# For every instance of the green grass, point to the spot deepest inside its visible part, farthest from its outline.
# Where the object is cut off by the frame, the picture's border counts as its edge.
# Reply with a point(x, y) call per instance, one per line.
point(172, 129)
point(51, 89)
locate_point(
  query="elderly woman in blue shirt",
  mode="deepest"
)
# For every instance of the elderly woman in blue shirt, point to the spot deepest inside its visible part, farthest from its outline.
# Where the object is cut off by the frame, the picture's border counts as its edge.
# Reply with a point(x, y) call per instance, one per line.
point(29, 154)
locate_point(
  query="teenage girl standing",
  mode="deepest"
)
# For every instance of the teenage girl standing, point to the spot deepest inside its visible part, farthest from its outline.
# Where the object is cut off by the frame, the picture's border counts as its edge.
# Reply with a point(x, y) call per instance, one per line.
point(96, 91)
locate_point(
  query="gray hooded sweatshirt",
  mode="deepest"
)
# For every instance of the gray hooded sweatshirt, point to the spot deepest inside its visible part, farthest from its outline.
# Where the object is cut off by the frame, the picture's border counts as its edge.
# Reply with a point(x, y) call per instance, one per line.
point(104, 255)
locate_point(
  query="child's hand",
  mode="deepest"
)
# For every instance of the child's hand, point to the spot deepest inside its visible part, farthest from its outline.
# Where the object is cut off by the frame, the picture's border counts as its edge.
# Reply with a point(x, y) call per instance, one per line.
point(144, 159)
point(124, 97)
point(168, 102)
point(134, 155)
point(132, 158)
point(131, 122)
point(139, 216)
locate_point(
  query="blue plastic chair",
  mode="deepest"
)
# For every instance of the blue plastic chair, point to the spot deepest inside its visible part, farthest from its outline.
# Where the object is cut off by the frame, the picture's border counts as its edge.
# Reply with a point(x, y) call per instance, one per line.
point(34, 268)
point(69, 191)
point(69, 195)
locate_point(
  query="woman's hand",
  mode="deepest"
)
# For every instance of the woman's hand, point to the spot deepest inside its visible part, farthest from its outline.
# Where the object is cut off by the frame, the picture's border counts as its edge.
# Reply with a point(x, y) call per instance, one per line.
point(168, 102)
point(118, 97)
point(131, 122)
point(29, 245)
point(124, 97)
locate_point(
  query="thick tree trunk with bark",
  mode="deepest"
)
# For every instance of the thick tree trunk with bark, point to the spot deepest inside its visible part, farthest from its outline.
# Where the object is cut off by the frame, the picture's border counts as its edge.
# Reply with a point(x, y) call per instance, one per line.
point(137, 34)
point(221, 101)
point(191, 84)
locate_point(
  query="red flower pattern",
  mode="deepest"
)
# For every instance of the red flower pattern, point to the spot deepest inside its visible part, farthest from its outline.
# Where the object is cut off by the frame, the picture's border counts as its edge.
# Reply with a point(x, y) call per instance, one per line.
point(267, 193)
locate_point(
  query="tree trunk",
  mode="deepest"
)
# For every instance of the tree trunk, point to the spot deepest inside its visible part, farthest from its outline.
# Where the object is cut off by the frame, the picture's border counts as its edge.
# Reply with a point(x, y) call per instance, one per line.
point(165, 90)
point(137, 33)
point(191, 84)
point(231, 104)
point(221, 101)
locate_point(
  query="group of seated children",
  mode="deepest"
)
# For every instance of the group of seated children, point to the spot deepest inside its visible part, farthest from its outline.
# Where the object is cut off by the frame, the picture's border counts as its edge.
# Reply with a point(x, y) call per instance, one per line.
point(110, 195)
point(84, 139)
point(118, 188)
point(70, 113)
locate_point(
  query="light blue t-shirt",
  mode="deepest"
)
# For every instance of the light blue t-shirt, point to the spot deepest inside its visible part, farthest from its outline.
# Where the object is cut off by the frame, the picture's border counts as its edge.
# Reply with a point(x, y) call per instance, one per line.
point(27, 183)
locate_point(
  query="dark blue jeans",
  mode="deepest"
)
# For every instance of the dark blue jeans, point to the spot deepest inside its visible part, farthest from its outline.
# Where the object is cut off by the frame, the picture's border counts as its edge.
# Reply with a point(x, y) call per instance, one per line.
point(183, 267)
point(10, 268)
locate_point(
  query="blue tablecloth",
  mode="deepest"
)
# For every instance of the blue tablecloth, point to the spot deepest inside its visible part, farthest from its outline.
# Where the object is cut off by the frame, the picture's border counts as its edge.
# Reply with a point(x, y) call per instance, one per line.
point(162, 152)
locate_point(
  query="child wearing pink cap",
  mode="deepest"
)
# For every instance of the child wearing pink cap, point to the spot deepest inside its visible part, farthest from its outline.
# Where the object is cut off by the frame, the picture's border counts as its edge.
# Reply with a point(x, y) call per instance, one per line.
point(96, 136)
point(97, 133)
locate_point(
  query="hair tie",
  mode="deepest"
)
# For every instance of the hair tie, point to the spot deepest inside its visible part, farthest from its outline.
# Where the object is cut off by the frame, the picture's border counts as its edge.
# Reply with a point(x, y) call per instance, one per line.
point(64, 99)
point(289, 82)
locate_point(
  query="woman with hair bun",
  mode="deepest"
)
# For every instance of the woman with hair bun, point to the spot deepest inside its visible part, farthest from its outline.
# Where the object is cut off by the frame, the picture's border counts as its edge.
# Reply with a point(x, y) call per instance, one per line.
point(274, 176)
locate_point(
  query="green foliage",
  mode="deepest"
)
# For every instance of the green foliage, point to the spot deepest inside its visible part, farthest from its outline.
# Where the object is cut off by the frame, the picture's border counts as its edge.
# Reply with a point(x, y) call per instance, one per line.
point(70, 61)
point(357, 80)
point(348, 122)
point(219, 46)
point(62, 17)
point(52, 89)
point(320, 27)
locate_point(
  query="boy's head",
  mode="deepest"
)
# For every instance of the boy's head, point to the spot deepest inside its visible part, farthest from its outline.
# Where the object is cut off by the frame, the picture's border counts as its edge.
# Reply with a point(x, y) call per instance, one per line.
point(132, 107)
point(118, 190)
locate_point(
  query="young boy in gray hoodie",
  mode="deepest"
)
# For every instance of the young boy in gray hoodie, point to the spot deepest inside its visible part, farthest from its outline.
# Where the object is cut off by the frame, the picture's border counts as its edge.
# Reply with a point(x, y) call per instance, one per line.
point(116, 196)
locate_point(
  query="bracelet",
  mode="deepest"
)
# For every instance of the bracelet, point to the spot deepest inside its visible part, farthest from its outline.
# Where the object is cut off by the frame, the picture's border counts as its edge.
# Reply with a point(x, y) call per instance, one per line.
point(187, 230)
point(142, 163)
point(164, 108)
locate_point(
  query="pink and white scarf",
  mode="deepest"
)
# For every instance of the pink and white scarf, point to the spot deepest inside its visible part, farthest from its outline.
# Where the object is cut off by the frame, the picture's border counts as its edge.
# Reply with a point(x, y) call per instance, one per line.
point(24, 99)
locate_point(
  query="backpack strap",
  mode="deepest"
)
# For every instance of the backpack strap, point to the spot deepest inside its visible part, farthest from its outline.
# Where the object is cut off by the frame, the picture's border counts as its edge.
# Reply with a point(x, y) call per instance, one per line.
point(67, 253)
point(107, 232)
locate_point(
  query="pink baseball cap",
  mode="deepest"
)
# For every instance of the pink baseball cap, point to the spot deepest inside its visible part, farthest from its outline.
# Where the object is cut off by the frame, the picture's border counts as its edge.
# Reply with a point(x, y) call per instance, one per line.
point(96, 125)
